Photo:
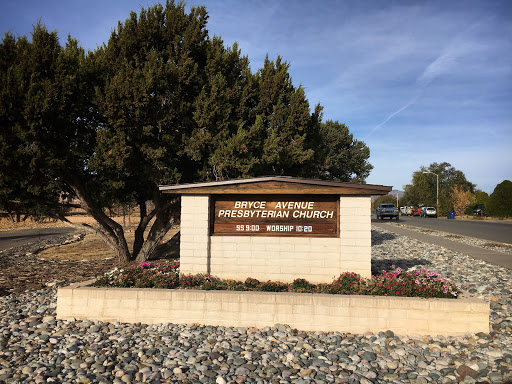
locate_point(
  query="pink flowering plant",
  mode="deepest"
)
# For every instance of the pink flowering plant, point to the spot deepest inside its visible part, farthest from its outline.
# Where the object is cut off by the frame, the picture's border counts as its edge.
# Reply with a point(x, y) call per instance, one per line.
point(162, 274)
point(397, 282)
point(346, 282)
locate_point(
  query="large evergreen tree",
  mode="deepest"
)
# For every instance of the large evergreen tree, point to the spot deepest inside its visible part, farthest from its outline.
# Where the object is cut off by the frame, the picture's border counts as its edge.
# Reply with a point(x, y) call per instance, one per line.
point(160, 103)
point(340, 156)
point(46, 124)
point(223, 142)
point(153, 70)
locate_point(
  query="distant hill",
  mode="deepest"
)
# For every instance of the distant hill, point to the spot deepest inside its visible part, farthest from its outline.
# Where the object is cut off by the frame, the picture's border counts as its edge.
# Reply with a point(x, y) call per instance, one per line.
point(393, 193)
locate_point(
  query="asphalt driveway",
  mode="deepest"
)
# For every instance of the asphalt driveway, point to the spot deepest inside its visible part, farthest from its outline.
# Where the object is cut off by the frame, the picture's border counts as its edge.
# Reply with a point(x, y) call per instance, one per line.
point(17, 238)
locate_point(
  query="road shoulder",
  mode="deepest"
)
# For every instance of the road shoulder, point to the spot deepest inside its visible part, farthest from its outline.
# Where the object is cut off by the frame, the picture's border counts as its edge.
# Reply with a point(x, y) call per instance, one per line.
point(498, 258)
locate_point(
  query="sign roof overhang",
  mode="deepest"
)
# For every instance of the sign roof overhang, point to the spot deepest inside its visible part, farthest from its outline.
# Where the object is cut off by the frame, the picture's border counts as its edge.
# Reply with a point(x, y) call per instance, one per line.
point(276, 185)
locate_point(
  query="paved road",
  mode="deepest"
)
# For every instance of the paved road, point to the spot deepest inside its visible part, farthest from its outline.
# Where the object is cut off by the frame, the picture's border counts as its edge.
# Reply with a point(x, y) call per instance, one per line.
point(499, 258)
point(492, 231)
point(10, 239)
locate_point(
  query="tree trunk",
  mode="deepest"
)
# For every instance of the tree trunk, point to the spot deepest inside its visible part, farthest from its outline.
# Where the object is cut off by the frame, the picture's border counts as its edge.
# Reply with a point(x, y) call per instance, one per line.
point(166, 212)
point(141, 228)
point(110, 231)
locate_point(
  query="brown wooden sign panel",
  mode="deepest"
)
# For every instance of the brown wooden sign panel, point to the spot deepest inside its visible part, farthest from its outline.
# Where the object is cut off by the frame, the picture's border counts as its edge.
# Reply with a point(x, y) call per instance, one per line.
point(275, 215)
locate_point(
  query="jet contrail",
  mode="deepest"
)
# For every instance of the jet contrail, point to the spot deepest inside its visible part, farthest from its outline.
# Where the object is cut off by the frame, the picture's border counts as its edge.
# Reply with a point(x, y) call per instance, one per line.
point(436, 68)
point(411, 102)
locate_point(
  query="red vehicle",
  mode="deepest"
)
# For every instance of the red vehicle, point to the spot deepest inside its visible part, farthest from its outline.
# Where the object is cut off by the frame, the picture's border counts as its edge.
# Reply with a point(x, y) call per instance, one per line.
point(416, 211)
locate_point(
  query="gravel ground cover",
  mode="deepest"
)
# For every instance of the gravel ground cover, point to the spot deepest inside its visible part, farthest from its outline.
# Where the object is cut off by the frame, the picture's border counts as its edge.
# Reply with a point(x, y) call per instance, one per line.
point(37, 348)
point(23, 268)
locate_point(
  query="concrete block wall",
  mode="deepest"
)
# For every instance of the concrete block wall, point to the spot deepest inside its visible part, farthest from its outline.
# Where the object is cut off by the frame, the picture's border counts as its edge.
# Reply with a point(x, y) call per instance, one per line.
point(355, 234)
point(308, 312)
point(317, 259)
point(195, 234)
point(275, 258)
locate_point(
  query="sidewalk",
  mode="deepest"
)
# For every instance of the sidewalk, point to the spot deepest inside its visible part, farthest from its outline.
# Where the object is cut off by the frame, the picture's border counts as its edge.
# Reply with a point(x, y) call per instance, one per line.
point(488, 255)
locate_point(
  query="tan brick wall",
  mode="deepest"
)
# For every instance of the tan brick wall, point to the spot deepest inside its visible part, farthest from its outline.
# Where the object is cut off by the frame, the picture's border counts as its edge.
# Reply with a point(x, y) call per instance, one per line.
point(355, 234)
point(309, 312)
point(194, 234)
point(276, 258)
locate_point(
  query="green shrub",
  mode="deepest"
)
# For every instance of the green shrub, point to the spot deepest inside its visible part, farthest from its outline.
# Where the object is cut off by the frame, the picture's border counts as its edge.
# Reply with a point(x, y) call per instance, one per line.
point(302, 286)
point(274, 286)
point(500, 201)
point(196, 281)
point(235, 285)
point(346, 282)
point(215, 284)
point(323, 288)
point(252, 283)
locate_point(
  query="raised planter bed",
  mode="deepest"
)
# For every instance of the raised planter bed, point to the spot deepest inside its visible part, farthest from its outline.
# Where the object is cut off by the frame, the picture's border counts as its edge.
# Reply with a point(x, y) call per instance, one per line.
point(304, 311)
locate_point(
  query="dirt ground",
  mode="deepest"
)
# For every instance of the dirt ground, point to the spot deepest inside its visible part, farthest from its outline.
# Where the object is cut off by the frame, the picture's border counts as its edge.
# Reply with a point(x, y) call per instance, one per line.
point(30, 268)
point(92, 247)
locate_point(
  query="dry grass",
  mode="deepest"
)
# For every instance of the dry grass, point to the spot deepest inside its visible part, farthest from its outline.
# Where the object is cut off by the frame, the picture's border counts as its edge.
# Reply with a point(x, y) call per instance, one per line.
point(427, 230)
point(92, 247)
point(483, 218)
point(497, 245)
point(451, 236)
point(9, 225)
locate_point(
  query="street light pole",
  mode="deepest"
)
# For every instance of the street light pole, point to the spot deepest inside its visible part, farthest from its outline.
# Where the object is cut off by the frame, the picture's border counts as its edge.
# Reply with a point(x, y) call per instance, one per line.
point(437, 188)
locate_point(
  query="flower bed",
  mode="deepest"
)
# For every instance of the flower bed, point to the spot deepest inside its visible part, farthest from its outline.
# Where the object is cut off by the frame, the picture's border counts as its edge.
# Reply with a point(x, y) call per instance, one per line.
point(397, 282)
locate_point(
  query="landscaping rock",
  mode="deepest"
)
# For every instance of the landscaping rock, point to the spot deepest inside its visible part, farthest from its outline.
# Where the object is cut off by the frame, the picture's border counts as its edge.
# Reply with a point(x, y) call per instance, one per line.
point(37, 348)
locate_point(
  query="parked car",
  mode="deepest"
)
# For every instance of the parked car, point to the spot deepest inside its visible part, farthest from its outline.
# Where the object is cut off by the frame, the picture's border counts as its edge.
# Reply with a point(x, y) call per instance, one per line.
point(387, 210)
point(430, 212)
point(416, 212)
point(479, 210)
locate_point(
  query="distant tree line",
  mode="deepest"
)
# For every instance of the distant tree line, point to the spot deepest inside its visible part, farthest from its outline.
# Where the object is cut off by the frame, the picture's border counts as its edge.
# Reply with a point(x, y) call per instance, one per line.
point(162, 102)
point(456, 193)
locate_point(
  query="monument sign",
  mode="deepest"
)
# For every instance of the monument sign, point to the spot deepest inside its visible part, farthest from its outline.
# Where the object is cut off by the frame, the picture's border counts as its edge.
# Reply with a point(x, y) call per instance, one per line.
point(276, 228)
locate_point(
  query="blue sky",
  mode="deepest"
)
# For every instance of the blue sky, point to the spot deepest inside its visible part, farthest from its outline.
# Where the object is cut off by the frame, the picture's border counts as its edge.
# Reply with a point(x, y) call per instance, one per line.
point(417, 81)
